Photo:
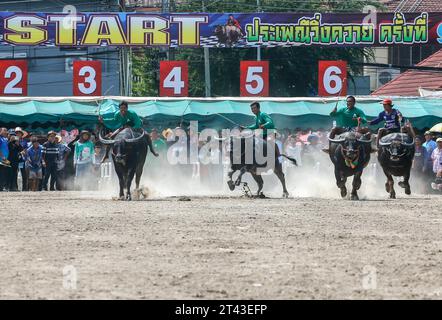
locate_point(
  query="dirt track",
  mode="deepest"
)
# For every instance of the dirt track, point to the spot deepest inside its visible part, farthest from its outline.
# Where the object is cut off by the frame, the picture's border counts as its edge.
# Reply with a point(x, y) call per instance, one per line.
point(219, 248)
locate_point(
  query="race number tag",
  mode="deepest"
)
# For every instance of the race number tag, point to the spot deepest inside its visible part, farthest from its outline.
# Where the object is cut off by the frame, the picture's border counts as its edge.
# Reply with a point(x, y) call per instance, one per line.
point(332, 78)
point(174, 79)
point(87, 78)
point(254, 78)
point(13, 77)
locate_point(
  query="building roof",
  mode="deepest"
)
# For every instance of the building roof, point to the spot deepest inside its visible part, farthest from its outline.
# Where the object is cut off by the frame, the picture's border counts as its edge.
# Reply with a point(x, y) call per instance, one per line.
point(409, 82)
point(412, 5)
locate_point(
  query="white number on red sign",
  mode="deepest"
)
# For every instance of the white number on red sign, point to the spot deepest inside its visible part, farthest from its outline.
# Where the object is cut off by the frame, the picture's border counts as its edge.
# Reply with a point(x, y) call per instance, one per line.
point(14, 73)
point(331, 78)
point(254, 80)
point(89, 75)
point(332, 82)
point(173, 80)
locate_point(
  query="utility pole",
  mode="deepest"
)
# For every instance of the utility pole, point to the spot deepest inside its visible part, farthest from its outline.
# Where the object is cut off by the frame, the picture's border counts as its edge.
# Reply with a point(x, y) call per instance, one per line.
point(258, 49)
point(206, 64)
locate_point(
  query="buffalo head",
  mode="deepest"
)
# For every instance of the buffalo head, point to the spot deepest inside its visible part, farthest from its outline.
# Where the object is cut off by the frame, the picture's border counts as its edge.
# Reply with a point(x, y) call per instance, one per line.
point(350, 145)
point(396, 149)
point(121, 144)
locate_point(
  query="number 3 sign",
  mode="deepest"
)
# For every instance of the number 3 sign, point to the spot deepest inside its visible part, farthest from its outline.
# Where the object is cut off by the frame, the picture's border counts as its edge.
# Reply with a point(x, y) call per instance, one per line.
point(254, 79)
point(13, 77)
point(174, 79)
point(332, 76)
point(87, 78)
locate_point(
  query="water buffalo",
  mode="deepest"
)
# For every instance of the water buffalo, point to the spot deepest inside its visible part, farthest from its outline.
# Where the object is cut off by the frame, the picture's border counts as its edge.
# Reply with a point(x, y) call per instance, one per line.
point(227, 35)
point(245, 160)
point(129, 153)
point(395, 154)
point(350, 154)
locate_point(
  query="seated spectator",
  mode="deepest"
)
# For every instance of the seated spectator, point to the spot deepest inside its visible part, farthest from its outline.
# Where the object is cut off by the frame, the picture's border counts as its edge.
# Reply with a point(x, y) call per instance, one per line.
point(34, 164)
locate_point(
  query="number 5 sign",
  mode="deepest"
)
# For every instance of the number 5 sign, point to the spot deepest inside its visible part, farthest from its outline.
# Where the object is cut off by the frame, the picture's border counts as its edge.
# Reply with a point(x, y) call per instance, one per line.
point(332, 76)
point(174, 79)
point(13, 77)
point(87, 78)
point(254, 78)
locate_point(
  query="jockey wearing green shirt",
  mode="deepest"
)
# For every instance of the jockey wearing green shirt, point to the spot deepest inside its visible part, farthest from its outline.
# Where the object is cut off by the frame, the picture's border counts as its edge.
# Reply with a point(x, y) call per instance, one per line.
point(125, 118)
point(262, 120)
point(348, 118)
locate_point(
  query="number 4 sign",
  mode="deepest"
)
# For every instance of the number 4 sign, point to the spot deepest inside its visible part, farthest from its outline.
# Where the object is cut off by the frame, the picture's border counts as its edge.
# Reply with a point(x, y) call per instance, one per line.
point(87, 78)
point(332, 76)
point(13, 78)
point(254, 78)
point(174, 79)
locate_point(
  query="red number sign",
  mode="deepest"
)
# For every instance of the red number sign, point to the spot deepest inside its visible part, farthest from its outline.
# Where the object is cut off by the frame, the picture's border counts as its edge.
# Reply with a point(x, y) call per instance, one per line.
point(332, 78)
point(87, 78)
point(254, 79)
point(13, 77)
point(174, 79)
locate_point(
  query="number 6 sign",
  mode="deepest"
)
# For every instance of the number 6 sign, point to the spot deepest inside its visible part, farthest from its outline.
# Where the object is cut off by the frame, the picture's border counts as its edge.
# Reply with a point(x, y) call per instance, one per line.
point(332, 76)
point(254, 78)
point(13, 77)
point(87, 78)
point(174, 79)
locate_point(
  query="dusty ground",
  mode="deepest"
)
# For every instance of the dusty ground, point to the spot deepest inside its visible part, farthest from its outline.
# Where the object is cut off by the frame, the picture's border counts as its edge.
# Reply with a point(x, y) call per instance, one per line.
point(219, 248)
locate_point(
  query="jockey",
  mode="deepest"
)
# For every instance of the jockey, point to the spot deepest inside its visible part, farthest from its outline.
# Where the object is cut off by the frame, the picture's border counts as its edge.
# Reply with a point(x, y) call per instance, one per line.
point(262, 121)
point(348, 118)
point(126, 118)
point(394, 121)
point(233, 22)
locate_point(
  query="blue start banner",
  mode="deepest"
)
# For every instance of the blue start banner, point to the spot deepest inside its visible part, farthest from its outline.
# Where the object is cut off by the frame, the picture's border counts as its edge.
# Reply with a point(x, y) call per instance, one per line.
point(220, 30)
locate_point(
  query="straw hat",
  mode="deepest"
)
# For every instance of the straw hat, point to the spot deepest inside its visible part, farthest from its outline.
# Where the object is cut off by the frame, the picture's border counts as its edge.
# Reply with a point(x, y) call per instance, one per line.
point(19, 129)
point(166, 132)
point(52, 133)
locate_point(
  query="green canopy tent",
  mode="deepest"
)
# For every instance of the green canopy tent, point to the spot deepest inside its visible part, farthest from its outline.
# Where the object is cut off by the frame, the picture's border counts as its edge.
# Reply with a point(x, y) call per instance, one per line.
point(47, 112)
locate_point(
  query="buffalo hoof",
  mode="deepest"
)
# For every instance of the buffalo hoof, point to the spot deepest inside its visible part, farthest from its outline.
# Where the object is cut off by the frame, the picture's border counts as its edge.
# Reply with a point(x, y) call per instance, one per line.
point(128, 197)
point(285, 194)
point(261, 195)
point(231, 185)
point(407, 191)
point(392, 195)
point(354, 197)
point(402, 184)
point(343, 192)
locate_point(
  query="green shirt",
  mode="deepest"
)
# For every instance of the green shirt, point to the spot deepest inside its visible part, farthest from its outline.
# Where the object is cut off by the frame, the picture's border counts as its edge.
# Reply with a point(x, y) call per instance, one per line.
point(262, 119)
point(344, 117)
point(119, 121)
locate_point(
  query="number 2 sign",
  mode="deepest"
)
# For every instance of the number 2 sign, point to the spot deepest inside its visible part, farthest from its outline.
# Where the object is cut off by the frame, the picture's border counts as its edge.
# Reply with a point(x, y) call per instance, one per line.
point(13, 77)
point(174, 79)
point(87, 78)
point(254, 79)
point(332, 76)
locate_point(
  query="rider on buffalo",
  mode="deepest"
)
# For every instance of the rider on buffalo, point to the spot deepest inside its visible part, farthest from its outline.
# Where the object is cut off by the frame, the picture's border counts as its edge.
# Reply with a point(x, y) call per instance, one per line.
point(393, 119)
point(125, 118)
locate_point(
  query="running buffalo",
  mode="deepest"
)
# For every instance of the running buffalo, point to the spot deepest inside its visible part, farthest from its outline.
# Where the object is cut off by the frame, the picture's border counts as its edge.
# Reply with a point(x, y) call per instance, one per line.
point(245, 159)
point(350, 154)
point(395, 154)
point(129, 151)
